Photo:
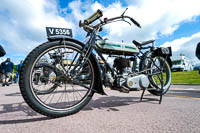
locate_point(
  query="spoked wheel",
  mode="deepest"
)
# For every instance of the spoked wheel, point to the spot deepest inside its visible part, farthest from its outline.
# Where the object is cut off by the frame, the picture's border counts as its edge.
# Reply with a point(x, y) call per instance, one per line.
point(159, 76)
point(52, 81)
point(43, 78)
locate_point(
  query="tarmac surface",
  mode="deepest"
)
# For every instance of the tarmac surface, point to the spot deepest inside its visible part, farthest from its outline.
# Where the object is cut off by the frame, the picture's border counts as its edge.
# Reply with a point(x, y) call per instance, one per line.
point(118, 112)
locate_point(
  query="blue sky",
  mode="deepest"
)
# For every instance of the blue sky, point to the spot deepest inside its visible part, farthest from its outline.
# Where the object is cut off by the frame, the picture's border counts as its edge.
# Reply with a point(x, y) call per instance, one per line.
point(23, 28)
point(185, 29)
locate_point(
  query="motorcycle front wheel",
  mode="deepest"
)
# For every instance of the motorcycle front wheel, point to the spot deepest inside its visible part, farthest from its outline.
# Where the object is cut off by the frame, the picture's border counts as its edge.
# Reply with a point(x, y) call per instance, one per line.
point(59, 88)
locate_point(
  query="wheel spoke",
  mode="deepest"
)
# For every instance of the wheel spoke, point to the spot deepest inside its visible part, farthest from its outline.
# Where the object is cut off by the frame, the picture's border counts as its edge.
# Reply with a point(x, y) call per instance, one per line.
point(54, 88)
point(159, 75)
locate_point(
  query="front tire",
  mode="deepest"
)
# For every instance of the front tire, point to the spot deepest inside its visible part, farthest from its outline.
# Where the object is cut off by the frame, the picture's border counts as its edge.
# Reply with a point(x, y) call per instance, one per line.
point(68, 96)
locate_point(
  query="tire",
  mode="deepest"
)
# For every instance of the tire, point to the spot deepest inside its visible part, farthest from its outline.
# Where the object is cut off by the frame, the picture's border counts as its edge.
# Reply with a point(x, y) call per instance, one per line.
point(69, 89)
point(165, 75)
point(155, 88)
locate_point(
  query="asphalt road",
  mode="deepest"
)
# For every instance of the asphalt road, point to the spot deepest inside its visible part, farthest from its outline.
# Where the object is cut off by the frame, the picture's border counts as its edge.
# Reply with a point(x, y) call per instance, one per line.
point(115, 113)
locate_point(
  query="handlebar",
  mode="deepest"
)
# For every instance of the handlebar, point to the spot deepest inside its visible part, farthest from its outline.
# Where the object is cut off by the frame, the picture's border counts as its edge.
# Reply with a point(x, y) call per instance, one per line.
point(122, 17)
point(87, 24)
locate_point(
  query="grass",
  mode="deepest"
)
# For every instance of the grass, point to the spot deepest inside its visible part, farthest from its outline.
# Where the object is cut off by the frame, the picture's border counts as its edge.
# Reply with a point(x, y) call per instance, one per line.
point(186, 77)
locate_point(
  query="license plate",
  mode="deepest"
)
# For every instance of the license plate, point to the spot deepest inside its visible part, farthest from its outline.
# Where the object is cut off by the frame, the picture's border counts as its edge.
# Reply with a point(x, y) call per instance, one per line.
point(52, 31)
point(166, 50)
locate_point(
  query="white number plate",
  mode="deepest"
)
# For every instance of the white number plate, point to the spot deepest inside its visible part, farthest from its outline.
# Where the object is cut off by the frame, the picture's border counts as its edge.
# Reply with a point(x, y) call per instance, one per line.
point(51, 31)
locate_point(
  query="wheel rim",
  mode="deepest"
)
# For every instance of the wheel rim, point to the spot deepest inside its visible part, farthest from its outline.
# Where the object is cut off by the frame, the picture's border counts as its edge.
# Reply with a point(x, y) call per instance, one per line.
point(164, 74)
point(64, 94)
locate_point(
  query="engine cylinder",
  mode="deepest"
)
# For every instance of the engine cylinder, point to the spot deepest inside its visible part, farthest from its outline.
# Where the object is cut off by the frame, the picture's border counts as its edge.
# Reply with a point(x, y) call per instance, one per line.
point(121, 63)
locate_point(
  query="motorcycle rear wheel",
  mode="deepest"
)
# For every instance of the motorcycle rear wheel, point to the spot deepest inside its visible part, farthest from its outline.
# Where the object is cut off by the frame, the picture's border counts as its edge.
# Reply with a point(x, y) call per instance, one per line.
point(68, 95)
point(160, 76)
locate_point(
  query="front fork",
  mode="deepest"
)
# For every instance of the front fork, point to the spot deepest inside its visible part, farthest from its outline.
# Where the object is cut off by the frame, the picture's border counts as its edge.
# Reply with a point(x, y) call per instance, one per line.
point(83, 57)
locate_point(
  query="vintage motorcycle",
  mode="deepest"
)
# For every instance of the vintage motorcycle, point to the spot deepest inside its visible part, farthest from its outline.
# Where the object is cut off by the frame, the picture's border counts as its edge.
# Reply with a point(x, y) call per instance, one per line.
point(60, 76)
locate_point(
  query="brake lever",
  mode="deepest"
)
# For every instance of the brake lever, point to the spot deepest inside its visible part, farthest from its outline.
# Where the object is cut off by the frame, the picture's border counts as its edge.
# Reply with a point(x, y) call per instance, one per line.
point(126, 21)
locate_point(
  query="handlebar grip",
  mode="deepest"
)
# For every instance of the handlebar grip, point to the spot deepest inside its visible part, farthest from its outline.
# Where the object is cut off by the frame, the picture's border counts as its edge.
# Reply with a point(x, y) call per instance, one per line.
point(80, 24)
point(93, 17)
point(135, 22)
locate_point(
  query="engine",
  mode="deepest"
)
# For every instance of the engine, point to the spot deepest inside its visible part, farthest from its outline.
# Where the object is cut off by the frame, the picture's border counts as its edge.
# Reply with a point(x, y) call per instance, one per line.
point(125, 69)
point(121, 64)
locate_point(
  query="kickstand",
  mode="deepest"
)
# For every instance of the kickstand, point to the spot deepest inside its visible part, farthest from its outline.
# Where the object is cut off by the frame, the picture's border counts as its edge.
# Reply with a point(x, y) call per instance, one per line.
point(161, 91)
point(160, 100)
point(142, 94)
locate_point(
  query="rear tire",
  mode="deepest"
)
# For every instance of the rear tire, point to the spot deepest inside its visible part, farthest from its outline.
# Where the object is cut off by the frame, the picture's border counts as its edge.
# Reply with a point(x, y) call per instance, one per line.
point(80, 92)
point(155, 88)
point(165, 75)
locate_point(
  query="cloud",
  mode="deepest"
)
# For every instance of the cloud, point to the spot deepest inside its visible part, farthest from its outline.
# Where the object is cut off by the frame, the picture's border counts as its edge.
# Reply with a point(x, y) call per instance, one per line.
point(80, 11)
point(186, 46)
point(22, 24)
point(155, 16)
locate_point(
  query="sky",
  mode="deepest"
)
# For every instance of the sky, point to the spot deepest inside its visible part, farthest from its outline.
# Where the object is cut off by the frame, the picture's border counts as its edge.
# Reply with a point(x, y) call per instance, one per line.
point(174, 23)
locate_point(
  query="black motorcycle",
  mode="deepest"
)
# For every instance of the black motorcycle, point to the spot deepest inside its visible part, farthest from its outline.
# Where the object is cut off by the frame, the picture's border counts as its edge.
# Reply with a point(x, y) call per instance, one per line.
point(77, 70)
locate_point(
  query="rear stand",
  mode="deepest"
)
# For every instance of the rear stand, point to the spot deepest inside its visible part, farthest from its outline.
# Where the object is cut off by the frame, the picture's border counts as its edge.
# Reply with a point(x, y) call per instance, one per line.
point(161, 90)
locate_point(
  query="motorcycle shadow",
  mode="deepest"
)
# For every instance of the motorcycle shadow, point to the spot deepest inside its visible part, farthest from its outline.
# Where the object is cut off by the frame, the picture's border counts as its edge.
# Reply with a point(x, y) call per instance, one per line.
point(113, 103)
point(25, 120)
point(109, 103)
point(19, 109)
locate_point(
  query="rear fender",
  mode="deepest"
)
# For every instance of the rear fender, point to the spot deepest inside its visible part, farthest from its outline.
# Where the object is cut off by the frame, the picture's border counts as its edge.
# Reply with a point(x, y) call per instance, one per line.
point(164, 52)
point(154, 53)
point(98, 88)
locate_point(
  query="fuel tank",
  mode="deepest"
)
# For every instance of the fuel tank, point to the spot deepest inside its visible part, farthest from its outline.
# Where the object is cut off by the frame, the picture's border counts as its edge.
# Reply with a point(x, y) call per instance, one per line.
point(109, 47)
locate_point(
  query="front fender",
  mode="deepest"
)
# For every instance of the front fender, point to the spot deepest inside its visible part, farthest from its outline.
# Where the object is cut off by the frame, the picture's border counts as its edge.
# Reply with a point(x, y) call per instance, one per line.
point(98, 88)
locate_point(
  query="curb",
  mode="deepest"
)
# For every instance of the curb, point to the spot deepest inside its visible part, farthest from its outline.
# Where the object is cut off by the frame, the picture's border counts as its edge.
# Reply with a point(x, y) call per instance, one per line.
point(187, 84)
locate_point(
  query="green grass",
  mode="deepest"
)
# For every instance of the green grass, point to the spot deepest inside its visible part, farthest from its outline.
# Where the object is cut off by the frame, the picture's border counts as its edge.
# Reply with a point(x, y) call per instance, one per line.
point(186, 77)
